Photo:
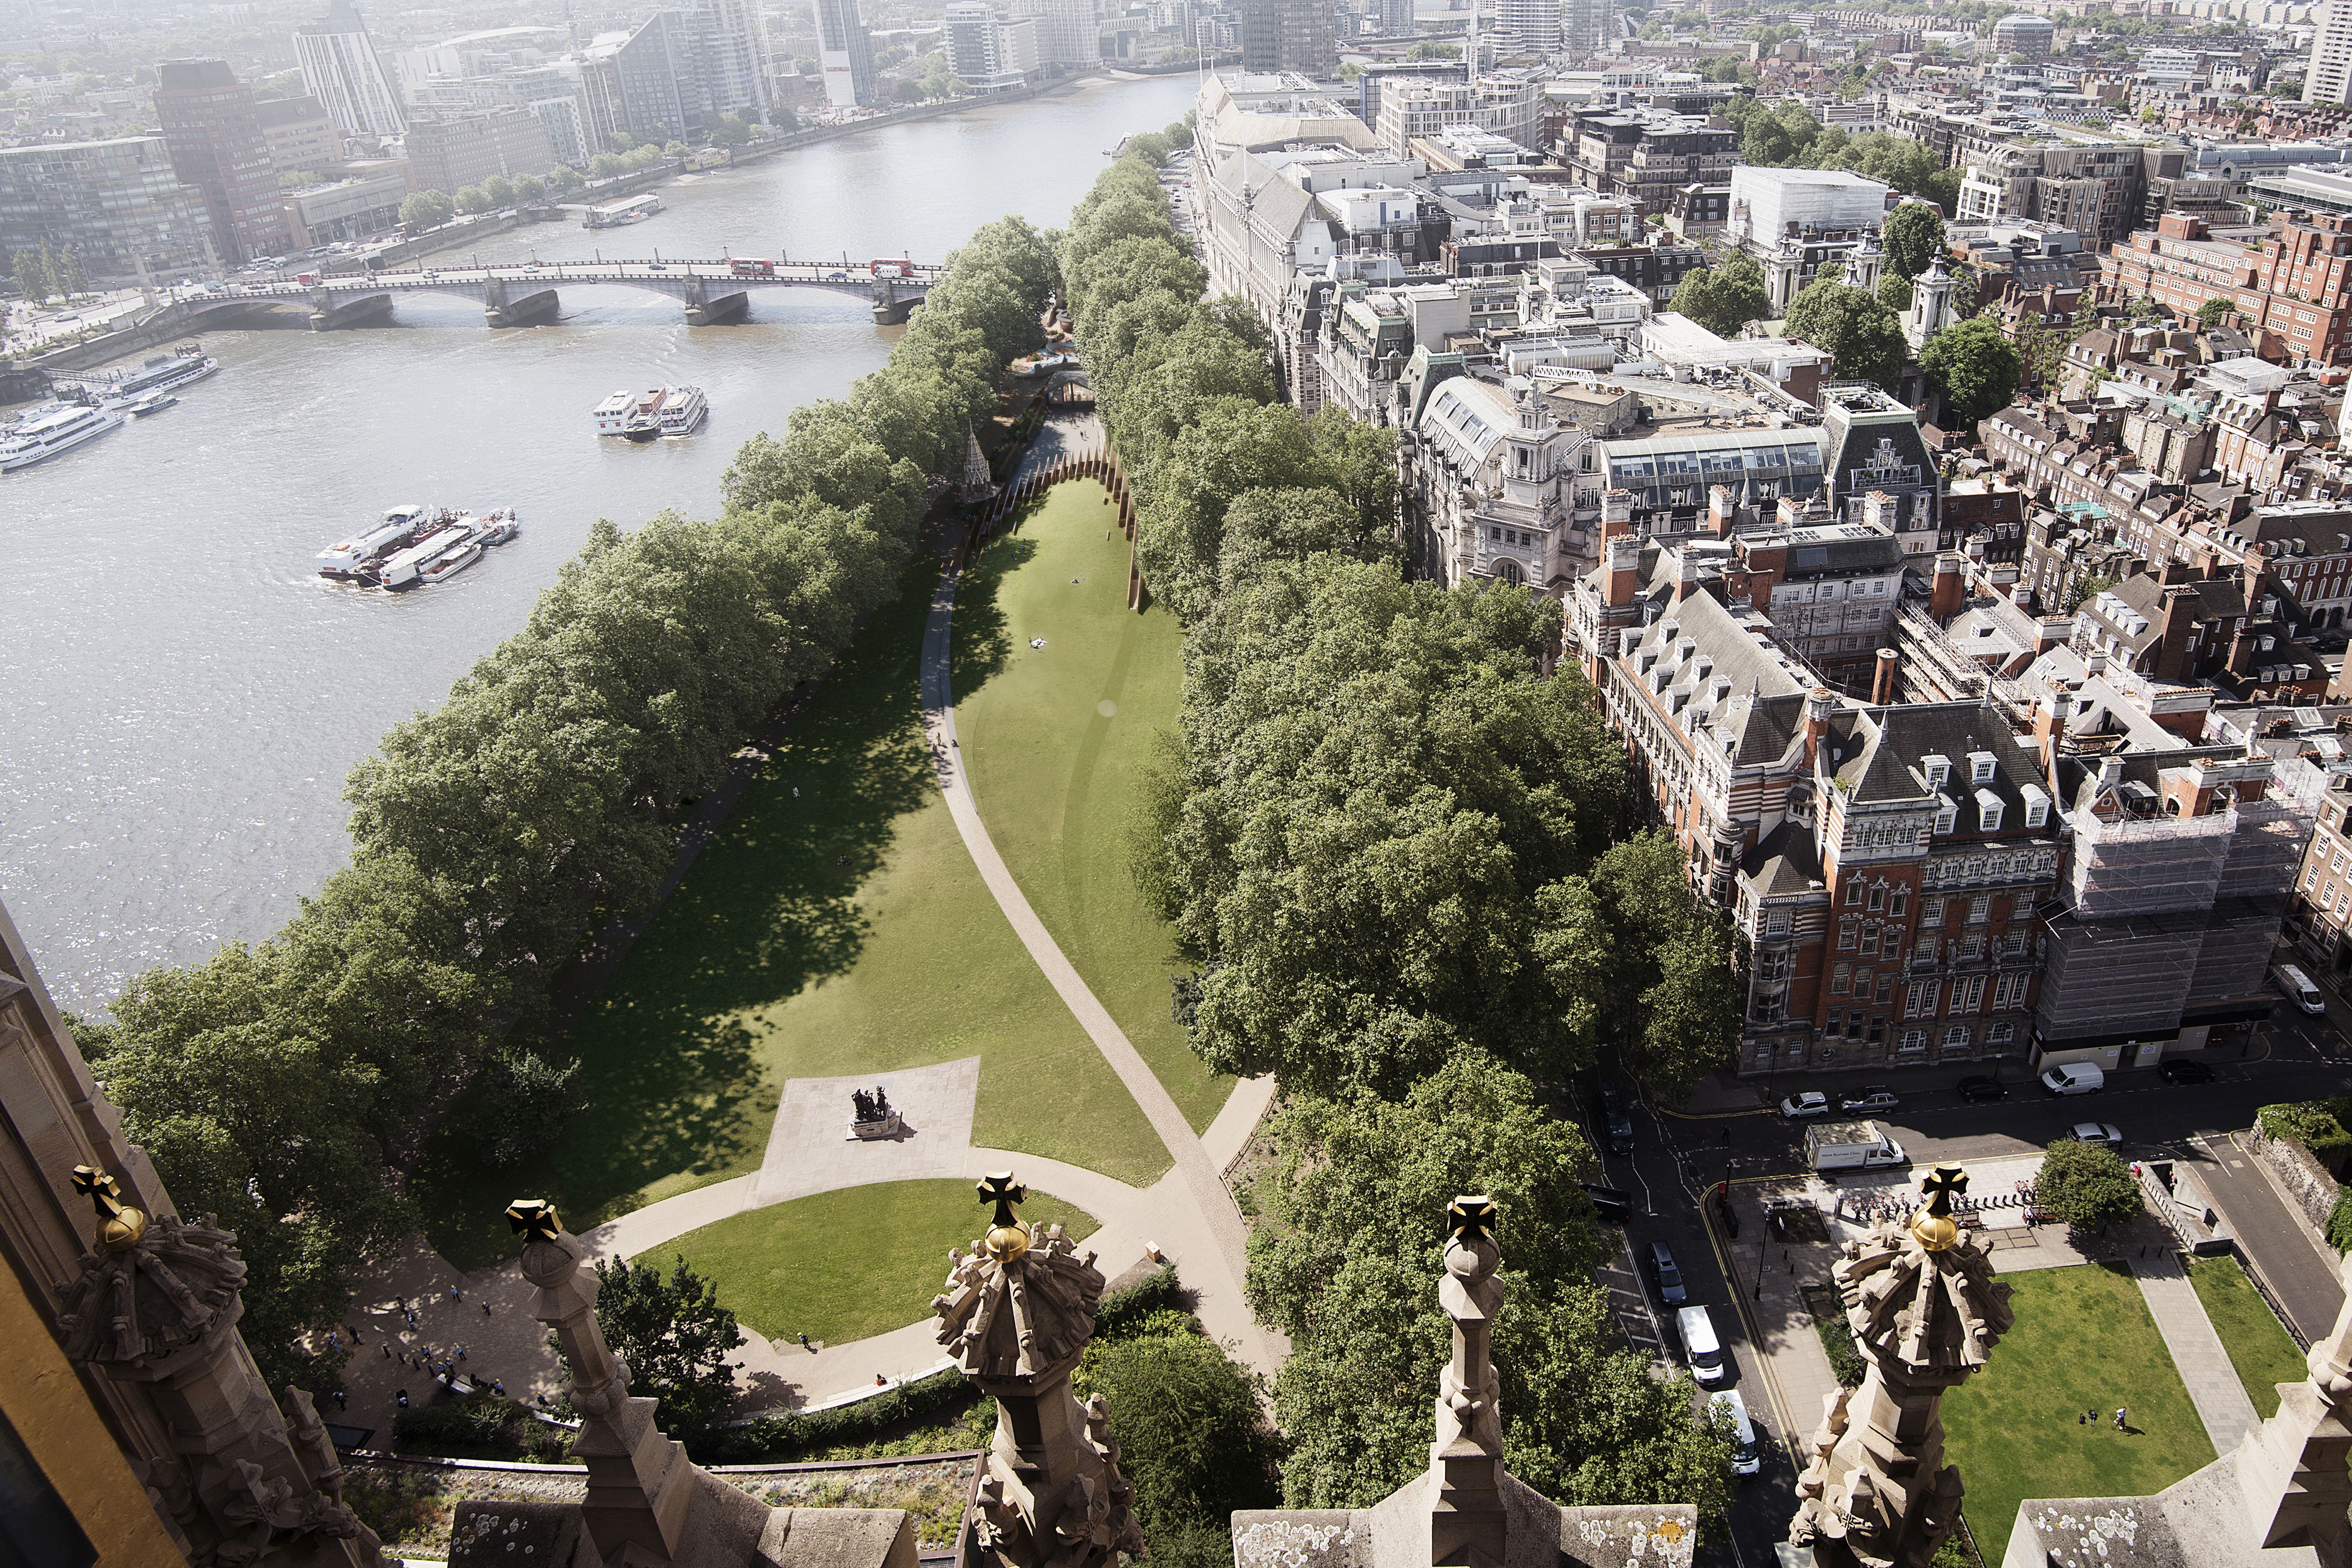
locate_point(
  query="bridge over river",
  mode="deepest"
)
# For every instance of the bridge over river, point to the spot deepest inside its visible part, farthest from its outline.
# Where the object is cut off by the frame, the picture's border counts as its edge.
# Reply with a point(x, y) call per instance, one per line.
point(517, 294)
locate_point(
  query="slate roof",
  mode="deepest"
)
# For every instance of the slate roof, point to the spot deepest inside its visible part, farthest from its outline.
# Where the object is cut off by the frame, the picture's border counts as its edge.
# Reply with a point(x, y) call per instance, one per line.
point(1748, 700)
point(1883, 760)
point(1784, 861)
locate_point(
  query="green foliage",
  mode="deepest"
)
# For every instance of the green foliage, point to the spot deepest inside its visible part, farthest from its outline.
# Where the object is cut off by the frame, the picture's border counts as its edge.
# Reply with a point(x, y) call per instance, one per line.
point(786, 1435)
point(604, 165)
point(676, 1338)
point(1724, 298)
point(732, 131)
point(473, 199)
point(674, 149)
point(1670, 993)
point(499, 190)
point(519, 1105)
point(529, 188)
point(1861, 333)
point(426, 209)
point(1191, 1438)
point(1429, 50)
point(33, 279)
point(2090, 589)
point(479, 1426)
point(564, 177)
point(1895, 292)
point(2317, 1125)
point(1913, 235)
point(1835, 1334)
point(2210, 313)
point(2339, 1221)
point(1975, 366)
point(2087, 1185)
point(1150, 146)
point(1343, 1266)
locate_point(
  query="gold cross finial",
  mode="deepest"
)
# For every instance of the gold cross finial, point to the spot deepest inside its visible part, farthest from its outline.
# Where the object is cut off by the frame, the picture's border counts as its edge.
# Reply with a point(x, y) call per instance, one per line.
point(1933, 1227)
point(119, 1226)
point(535, 1218)
point(1470, 1219)
point(1008, 1239)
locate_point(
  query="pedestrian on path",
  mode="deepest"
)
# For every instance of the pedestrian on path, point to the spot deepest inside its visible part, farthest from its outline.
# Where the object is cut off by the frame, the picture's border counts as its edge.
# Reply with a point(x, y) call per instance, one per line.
point(2094, 1417)
point(2120, 1413)
point(454, 1294)
point(401, 1399)
point(342, 1400)
point(486, 1309)
point(461, 1353)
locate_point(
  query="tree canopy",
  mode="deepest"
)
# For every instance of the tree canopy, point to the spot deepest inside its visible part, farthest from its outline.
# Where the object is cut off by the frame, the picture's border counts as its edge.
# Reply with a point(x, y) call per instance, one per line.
point(1726, 297)
point(1864, 337)
point(2087, 1185)
point(1975, 366)
point(676, 1339)
point(1913, 236)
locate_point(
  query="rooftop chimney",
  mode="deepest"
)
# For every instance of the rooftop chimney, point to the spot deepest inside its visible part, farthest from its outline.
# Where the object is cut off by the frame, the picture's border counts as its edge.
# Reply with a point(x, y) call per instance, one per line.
point(1949, 591)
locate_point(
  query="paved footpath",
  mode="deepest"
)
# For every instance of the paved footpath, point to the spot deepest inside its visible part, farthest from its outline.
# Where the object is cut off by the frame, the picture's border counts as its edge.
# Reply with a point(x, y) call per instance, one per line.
point(1202, 1190)
point(2213, 1386)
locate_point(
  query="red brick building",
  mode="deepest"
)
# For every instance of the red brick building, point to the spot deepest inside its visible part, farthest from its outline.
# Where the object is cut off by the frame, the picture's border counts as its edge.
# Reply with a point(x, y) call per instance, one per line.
point(2294, 293)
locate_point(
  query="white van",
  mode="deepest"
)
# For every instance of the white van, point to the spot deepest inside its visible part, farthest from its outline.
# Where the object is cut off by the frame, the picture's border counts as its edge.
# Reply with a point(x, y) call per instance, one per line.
point(2299, 989)
point(1700, 1347)
point(1745, 1460)
point(2074, 1077)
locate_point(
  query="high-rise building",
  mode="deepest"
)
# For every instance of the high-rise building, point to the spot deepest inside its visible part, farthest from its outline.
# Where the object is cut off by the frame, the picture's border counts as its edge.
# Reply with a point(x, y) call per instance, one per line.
point(213, 130)
point(1586, 26)
point(448, 154)
point(659, 84)
point(300, 135)
point(970, 36)
point(846, 51)
point(341, 69)
point(2330, 79)
point(732, 55)
point(1532, 24)
point(1067, 31)
point(1289, 35)
point(116, 205)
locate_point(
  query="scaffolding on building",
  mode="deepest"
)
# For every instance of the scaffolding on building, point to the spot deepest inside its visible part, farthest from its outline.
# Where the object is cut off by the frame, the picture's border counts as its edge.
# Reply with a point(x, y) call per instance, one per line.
point(2149, 865)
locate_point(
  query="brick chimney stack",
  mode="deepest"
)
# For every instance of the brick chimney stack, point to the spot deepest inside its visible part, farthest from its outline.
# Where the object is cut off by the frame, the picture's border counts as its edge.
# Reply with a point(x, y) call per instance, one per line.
point(1882, 680)
point(1821, 703)
point(1949, 591)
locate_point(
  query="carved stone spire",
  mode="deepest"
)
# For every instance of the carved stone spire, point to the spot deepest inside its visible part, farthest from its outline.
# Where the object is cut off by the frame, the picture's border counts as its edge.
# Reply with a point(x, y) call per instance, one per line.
point(156, 1304)
point(640, 1483)
point(1467, 1522)
point(2292, 1470)
point(1926, 1311)
point(1016, 1314)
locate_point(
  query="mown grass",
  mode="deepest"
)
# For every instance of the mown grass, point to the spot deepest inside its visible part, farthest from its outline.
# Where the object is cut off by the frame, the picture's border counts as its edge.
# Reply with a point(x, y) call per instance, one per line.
point(845, 1265)
point(2084, 1340)
point(2261, 1350)
point(834, 926)
point(1053, 739)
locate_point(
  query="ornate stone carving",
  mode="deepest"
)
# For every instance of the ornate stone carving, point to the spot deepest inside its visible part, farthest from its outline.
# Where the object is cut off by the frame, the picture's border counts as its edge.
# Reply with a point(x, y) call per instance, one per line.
point(1925, 1312)
point(1469, 1523)
point(1016, 1314)
point(2293, 1469)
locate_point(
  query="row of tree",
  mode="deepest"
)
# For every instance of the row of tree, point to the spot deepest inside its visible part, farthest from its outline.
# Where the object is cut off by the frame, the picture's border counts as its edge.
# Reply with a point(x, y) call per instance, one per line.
point(1787, 136)
point(1385, 840)
point(285, 1086)
point(43, 274)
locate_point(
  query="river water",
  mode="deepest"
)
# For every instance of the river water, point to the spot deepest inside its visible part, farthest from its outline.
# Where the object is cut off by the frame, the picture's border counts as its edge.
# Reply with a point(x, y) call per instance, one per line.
point(185, 696)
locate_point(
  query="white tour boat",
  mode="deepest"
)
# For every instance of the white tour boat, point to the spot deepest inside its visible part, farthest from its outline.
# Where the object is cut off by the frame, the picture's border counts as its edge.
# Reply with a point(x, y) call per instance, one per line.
point(450, 561)
point(38, 441)
point(684, 412)
point(357, 557)
point(613, 414)
point(165, 372)
point(405, 568)
point(645, 420)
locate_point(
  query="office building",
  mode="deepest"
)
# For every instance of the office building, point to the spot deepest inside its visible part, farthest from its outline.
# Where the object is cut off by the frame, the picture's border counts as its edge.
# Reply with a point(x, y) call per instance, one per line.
point(300, 135)
point(733, 56)
point(452, 152)
point(341, 69)
point(1585, 26)
point(2295, 293)
point(357, 207)
point(1289, 35)
point(1067, 36)
point(116, 205)
point(970, 34)
point(214, 133)
point(654, 88)
point(1532, 26)
point(989, 52)
point(2330, 77)
point(846, 51)
point(2025, 35)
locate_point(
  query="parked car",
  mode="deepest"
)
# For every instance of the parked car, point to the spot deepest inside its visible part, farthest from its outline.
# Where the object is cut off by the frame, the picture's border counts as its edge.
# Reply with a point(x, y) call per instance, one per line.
point(1668, 1276)
point(1812, 1102)
point(2105, 1132)
point(2185, 1072)
point(1983, 1091)
point(1870, 1101)
point(1616, 1119)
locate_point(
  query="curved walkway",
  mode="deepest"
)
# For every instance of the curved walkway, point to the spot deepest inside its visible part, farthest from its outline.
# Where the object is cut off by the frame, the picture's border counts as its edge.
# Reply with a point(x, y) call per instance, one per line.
point(1198, 1202)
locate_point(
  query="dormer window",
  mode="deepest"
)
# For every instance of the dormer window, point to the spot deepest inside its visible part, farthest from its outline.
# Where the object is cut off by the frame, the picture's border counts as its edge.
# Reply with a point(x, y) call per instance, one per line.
point(1979, 767)
point(2037, 805)
point(1938, 770)
point(1988, 808)
point(1947, 814)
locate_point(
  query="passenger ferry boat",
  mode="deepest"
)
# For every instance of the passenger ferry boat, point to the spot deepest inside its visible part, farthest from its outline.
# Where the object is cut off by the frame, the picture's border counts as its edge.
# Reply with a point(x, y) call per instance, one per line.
point(40, 439)
point(684, 412)
point(356, 558)
point(406, 568)
point(612, 415)
point(645, 421)
point(165, 372)
point(450, 561)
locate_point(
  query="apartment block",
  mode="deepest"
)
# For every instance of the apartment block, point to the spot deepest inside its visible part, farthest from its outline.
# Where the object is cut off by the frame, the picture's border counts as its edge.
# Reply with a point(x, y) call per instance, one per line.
point(213, 130)
point(2294, 290)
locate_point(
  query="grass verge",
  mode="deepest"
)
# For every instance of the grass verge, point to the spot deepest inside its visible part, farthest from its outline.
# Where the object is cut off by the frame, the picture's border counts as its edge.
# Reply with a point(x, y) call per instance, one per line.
point(2260, 1348)
point(2083, 1338)
point(1055, 738)
point(845, 1265)
point(835, 926)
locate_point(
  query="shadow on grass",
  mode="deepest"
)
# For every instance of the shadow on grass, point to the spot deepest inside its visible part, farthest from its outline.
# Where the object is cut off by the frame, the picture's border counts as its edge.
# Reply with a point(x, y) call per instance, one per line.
point(668, 1067)
point(983, 641)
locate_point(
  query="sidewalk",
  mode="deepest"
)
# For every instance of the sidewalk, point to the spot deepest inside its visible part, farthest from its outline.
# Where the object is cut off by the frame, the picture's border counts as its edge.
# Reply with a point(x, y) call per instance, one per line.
point(2197, 1351)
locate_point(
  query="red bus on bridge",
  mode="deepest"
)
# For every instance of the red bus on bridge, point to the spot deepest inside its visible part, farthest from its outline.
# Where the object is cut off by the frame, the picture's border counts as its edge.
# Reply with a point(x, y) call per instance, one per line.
point(892, 267)
point(754, 267)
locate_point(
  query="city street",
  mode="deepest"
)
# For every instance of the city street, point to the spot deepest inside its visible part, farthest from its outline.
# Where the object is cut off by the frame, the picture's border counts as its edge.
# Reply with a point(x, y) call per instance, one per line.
point(1679, 1157)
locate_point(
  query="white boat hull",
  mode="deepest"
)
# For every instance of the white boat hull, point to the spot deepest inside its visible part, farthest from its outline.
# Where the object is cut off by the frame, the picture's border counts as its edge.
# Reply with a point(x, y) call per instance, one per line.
point(108, 420)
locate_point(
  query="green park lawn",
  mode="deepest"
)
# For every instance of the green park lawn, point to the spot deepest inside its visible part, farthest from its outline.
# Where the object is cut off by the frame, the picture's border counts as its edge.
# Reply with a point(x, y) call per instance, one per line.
point(845, 1266)
point(1054, 739)
point(2258, 1345)
point(2084, 1338)
point(836, 925)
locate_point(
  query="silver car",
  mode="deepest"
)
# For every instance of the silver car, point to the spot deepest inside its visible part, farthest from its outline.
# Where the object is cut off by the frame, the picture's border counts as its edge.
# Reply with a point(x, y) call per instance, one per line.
point(2105, 1132)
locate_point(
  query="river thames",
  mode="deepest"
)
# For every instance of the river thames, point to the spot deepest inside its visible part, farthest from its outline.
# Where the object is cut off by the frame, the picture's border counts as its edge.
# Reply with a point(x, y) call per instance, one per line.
point(187, 696)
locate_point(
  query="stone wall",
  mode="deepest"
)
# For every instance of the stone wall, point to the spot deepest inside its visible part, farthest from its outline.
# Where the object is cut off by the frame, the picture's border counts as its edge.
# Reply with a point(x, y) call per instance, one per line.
point(2305, 1180)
